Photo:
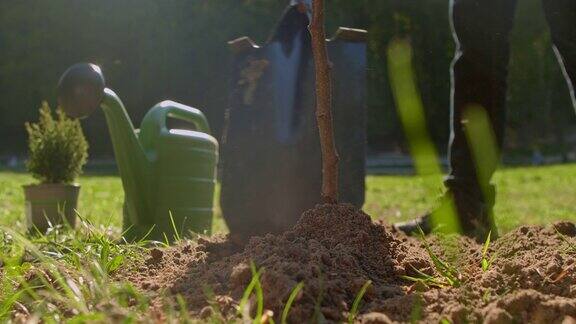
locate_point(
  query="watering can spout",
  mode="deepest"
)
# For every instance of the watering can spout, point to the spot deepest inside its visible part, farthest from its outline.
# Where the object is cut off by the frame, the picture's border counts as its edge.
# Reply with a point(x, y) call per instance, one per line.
point(81, 91)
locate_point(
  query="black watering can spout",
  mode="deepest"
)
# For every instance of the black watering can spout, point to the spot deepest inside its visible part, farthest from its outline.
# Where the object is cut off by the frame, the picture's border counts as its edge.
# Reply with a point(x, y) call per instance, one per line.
point(81, 90)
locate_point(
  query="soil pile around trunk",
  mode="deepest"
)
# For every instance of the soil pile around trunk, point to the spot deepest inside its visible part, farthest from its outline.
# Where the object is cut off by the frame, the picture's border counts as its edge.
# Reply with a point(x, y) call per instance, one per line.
point(335, 250)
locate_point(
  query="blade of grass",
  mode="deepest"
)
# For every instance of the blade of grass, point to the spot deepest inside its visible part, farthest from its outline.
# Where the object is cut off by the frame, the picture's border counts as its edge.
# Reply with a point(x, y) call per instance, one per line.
point(290, 300)
point(176, 233)
point(571, 245)
point(416, 312)
point(451, 274)
point(259, 294)
point(243, 312)
point(357, 300)
point(484, 149)
point(183, 308)
point(485, 260)
point(412, 116)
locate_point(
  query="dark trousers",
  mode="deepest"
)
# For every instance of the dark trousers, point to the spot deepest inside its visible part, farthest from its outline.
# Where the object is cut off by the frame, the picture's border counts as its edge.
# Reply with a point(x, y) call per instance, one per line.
point(481, 29)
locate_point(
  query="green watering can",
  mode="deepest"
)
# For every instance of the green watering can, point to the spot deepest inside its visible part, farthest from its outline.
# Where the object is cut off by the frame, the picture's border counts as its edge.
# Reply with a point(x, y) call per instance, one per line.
point(168, 175)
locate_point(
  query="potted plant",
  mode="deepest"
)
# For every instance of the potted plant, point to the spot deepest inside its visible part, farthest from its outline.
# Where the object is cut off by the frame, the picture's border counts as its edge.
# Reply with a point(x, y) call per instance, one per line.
point(57, 152)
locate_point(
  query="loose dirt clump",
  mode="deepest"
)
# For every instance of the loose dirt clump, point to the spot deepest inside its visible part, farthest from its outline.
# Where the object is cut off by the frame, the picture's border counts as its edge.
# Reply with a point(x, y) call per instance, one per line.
point(335, 249)
point(532, 279)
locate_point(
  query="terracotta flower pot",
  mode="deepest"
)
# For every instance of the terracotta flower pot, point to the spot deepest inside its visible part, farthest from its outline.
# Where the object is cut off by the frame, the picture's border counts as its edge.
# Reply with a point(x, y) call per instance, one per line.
point(54, 203)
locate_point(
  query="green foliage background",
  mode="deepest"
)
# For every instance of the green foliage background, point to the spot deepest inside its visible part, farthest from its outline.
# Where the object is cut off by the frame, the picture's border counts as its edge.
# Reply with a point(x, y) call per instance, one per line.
point(152, 50)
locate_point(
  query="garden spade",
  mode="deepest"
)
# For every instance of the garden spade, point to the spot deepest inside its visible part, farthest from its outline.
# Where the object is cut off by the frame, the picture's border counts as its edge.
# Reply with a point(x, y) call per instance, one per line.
point(168, 174)
point(271, 161)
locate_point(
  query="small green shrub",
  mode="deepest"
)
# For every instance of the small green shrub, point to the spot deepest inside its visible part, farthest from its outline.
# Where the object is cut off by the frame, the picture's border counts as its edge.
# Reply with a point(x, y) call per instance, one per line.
point(57, 147)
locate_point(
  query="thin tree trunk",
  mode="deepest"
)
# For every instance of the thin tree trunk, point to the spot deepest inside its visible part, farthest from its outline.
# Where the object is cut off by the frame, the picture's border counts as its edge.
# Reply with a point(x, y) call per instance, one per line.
point(324, 105)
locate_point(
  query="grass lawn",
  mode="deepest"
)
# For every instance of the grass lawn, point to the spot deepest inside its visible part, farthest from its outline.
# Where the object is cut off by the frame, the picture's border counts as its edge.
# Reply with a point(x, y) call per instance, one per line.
point(69, 274)
point(525, 196)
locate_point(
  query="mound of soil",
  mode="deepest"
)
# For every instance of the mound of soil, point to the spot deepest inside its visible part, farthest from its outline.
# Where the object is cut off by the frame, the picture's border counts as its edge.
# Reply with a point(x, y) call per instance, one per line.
point(335, 250)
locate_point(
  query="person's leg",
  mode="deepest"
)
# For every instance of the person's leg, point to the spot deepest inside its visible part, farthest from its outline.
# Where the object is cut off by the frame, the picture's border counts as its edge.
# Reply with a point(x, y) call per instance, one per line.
point(479, 71)
point(481, 31)
point(561, 17)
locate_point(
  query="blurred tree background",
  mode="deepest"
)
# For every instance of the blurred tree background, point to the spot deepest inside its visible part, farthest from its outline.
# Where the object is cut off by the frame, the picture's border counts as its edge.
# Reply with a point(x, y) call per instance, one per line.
point(151, 50)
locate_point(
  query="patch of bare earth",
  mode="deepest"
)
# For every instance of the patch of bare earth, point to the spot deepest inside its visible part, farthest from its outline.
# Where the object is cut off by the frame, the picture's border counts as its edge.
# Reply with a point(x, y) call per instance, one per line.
point(335, 250)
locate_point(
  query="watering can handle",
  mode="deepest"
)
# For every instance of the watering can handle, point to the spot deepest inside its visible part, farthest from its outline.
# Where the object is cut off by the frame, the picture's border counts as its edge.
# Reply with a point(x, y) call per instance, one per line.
point(186, 113)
